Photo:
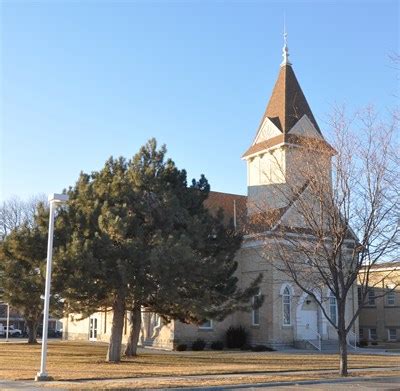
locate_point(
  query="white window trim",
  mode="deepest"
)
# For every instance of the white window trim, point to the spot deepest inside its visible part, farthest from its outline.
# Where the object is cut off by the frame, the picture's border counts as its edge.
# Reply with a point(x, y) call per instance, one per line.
point(389, 338)
point(210, 327)
point(93, 321)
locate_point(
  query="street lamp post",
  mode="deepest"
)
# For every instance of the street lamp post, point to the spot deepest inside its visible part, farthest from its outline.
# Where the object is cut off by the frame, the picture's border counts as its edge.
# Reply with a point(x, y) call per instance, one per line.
point(54, 199)
point(8, 322)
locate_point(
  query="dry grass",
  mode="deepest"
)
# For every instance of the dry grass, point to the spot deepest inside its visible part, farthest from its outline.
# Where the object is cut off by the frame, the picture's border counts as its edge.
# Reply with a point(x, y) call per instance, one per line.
point(85, 361)
point(141, 383)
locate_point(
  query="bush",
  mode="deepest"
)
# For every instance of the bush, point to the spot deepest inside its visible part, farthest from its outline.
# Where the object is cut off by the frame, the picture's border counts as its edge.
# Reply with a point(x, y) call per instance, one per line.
point(246, 346)
point(363, 343)
point(262, 348)
point(198, 345)
point(235, 337)
point(374, 343)
point(181, 347)
point(217, 345)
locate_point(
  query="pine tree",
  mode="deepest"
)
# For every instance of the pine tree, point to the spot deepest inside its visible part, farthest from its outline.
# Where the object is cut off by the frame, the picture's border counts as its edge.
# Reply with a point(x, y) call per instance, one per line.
point(23, 267)
point(140, 236)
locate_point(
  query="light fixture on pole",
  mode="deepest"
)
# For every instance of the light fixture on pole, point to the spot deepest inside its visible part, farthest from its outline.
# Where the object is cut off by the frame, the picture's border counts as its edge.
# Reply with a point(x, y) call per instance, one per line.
point(54, 199)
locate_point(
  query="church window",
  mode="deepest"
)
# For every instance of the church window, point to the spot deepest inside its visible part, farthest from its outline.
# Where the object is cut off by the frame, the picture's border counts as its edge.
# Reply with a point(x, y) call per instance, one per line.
point(256, 309)
point(286, 302)
point(372, 335)
point(333, 308)
point(359, 294)
point(206, 325)
point(392, 334)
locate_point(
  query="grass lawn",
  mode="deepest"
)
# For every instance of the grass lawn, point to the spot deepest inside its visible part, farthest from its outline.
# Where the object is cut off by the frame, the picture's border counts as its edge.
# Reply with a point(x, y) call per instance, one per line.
point(85, 361)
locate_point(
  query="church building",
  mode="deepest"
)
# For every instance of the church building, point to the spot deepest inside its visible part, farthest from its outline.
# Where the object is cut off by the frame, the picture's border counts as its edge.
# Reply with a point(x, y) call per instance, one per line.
point(288, 317)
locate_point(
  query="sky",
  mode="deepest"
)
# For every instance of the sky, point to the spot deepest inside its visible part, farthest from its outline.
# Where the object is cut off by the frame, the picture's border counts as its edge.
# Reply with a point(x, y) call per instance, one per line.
point(83, 80)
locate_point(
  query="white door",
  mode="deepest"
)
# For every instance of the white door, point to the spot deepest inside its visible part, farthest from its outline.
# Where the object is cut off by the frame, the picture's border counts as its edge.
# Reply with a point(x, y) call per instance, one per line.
point(308, 325)
point(92, 328)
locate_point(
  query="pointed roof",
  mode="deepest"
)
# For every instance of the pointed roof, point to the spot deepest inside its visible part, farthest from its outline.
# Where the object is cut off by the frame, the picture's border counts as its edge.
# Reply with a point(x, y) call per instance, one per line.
point(287, 103)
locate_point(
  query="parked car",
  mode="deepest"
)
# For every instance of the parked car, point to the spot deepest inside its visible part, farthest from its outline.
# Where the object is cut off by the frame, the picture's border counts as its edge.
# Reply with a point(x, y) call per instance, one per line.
point(50, 334)
point(12, 332)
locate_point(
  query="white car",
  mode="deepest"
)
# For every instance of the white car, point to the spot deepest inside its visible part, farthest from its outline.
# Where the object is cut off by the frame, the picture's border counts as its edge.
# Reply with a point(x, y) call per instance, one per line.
point(12, 332)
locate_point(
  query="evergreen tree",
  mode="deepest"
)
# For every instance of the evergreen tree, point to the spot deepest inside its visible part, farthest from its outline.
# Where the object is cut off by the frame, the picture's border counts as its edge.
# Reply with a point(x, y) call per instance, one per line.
point(22, 269)
point(140, 236)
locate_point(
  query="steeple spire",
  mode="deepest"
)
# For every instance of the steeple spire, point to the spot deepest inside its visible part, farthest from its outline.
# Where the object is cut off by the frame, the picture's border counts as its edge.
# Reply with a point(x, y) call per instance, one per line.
point(285, 49)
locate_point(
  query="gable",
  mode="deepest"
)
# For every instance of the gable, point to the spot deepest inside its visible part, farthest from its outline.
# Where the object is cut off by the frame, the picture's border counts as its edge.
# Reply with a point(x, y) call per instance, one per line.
point(293, 219)
point(304, 127)
point(267, 131)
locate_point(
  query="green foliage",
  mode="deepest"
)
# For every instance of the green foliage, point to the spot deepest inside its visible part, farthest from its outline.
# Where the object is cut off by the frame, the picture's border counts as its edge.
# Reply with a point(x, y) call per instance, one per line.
point(236, 337)
point(198, 345)
point(137, 229)
point(363, 343)
point(23, 266)
point(217, 345)
point(262, 348)
point(181, 347)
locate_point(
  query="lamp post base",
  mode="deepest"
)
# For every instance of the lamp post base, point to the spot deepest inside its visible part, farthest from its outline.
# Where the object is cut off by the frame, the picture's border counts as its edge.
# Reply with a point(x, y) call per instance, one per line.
point(43, 377)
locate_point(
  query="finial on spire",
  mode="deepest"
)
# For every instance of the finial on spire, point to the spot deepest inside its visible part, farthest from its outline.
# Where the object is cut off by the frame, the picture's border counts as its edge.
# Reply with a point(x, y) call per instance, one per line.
point(285, 49)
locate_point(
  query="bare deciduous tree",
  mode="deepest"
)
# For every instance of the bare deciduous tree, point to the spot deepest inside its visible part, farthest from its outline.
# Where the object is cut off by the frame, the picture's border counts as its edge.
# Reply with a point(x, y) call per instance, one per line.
point(338, 215)
point(15, 212)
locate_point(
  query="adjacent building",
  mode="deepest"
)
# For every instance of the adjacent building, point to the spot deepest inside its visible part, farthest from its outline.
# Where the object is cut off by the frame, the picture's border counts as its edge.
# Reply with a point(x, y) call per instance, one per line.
point(379, 319)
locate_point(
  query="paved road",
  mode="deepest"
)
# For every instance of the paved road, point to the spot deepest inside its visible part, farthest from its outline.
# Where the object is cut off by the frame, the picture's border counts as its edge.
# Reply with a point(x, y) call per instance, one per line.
point(386, 383)
point(369, 385)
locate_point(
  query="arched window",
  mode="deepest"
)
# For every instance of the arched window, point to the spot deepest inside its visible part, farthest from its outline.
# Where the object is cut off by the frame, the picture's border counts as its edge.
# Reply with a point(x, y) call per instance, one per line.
point(256, 309)
point(286, 304)
point(333, 308)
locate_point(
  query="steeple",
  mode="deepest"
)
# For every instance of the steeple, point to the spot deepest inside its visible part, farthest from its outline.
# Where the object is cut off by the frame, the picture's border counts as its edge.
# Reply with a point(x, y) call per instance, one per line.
point(288, 103)
point(288, 115)
point(287, 139)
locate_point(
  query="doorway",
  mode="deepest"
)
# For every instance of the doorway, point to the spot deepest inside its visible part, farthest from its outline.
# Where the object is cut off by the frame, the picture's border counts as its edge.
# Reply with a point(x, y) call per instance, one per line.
point(93, 328)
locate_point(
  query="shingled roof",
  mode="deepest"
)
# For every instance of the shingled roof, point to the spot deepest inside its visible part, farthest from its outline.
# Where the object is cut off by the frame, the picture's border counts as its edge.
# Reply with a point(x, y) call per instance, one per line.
point(227, 202)
point(306, 142)
point(287, 103)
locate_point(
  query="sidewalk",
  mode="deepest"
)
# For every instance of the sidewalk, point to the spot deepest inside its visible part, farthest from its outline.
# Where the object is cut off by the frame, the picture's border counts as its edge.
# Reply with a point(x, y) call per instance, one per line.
point(152, 382)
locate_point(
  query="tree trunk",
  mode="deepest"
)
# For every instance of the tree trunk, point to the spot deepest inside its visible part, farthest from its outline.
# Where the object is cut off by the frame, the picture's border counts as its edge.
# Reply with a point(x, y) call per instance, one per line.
point(114, 347)
point(342, 339)
point(343, 354)
point(135, 320)
point(32, 331)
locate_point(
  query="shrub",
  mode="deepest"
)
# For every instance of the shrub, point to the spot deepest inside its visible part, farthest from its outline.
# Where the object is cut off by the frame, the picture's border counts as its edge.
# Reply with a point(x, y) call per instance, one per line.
point(235, 337)
point(374, 343)
point(246, 346)
point(363, 343)
point(181, 347)
point(217, 345)
point(262, 348)
point(198, 345)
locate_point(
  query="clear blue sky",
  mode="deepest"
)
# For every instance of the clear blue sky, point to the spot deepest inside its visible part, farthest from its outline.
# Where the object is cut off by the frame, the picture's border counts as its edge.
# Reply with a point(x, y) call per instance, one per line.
point(83, 80)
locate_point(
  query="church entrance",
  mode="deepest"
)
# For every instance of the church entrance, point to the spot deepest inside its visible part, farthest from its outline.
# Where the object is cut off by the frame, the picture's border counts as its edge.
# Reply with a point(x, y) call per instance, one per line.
point(307, 319)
